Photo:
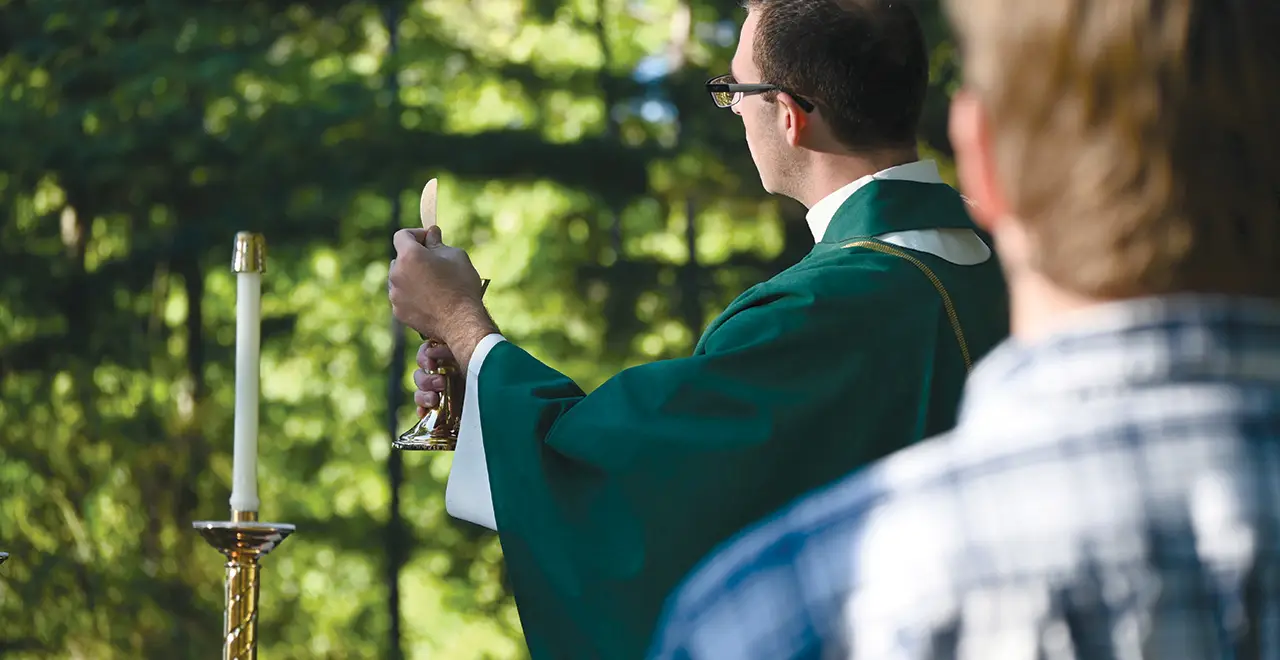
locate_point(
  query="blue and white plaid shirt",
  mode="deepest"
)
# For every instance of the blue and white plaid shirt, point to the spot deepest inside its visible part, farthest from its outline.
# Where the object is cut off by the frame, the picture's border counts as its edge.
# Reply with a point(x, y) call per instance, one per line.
point(1111, 492)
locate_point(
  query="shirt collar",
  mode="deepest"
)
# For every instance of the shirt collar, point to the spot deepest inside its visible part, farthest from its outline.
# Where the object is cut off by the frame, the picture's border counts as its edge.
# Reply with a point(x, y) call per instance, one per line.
point(820, 215)
point(1127, 345)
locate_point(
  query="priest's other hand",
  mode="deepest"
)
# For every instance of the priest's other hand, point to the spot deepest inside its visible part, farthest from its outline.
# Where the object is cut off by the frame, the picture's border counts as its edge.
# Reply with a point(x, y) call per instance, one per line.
point(429, 385)
point(435, 290)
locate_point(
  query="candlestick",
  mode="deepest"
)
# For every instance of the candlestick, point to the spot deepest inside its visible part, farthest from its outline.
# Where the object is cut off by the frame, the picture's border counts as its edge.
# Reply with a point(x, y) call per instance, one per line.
point(243, 540)
point(249, 262)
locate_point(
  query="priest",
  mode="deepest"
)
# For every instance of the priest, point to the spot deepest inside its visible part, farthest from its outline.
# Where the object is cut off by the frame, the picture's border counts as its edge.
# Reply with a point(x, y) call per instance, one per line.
point(603, 501)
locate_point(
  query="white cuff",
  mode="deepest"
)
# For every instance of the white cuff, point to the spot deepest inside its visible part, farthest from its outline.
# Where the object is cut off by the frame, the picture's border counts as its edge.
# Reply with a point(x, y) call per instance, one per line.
point(467, 496)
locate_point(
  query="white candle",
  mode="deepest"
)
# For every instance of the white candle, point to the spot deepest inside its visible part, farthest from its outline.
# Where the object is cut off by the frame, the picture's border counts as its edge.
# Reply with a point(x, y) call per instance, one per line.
point(248, 262)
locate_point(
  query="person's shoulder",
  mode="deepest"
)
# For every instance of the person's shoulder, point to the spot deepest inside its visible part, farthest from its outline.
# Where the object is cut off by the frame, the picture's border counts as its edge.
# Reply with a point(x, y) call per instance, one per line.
point(804, 551)
point(907, 536)
point(777, 540)
point(848, 276)
point(841, 509)
point(728, 603)
point(821, 286)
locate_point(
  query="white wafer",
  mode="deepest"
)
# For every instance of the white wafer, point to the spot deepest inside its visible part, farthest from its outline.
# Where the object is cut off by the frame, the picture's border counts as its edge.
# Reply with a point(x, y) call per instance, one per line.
point(427, 205)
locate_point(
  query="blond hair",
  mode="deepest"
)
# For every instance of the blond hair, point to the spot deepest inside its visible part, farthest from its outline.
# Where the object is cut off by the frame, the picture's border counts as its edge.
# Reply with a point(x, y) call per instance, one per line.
point(1138, 140)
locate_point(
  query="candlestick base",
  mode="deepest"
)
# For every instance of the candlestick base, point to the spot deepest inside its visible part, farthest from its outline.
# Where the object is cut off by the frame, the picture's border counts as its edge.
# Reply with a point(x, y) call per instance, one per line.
point(243, 541)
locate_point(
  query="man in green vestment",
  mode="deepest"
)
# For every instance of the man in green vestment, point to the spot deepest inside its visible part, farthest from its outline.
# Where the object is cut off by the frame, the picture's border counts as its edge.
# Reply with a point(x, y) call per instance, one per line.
point(603, 501)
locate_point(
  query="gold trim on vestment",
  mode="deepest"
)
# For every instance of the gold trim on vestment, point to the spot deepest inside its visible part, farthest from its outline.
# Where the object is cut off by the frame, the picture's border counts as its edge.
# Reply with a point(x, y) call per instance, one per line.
point(937, 284)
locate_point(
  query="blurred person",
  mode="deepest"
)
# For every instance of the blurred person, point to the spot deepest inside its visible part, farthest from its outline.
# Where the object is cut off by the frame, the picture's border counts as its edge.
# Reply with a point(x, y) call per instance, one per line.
point(1112, 488)
point(603, 501)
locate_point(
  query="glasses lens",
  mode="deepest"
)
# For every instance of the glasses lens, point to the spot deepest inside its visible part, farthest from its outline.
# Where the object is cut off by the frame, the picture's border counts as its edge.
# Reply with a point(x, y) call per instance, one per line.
point(723, 99)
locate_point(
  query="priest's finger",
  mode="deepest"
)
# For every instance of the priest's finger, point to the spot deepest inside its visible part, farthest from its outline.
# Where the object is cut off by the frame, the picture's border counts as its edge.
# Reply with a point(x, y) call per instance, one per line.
point(426, 399)
point(424, 358)
point(438, 352)
point(408, 241)
point(428, 382)
point(422, 412)
point(427, 204)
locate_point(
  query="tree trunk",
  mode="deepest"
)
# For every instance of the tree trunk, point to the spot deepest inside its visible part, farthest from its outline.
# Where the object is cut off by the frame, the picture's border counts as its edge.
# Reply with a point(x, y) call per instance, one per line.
point(397, 553)
point(395, 537)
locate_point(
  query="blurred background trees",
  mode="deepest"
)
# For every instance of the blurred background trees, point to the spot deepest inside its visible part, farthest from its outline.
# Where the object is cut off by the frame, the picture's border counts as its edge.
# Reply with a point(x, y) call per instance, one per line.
point(614, 207)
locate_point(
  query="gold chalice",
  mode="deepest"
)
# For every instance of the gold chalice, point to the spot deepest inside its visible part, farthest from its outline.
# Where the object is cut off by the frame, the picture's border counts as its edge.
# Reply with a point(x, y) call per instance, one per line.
point(438, 429)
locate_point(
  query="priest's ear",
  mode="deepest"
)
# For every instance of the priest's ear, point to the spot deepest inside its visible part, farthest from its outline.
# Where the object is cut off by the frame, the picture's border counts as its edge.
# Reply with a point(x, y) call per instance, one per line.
point(795, 120)
point(971, 138)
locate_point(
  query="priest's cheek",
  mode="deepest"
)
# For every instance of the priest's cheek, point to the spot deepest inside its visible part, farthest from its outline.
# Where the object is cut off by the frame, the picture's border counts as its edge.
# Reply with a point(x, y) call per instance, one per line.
point(764, 157)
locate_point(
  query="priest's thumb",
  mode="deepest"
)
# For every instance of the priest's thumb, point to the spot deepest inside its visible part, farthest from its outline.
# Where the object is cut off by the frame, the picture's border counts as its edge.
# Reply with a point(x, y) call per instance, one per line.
point(433, 237)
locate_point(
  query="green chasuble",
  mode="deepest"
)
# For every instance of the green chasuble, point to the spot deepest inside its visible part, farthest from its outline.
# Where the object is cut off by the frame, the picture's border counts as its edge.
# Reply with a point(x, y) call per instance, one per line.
point(604, 502)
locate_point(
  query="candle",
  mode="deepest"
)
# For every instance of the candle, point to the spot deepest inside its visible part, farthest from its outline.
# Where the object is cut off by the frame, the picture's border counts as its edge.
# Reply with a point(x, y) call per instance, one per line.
point(249, 261)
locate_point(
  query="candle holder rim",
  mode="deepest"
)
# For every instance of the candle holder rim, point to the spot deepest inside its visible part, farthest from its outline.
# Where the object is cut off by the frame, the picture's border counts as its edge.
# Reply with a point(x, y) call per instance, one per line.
point(243, 540)
point(252, 525)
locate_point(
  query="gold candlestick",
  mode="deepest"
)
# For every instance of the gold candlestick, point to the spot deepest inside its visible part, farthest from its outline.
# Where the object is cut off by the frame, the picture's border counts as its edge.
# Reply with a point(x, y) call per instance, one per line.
point(243, 541)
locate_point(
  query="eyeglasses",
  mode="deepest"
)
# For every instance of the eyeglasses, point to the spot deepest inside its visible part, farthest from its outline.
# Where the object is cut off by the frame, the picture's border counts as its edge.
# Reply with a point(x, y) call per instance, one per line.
point(726, 92)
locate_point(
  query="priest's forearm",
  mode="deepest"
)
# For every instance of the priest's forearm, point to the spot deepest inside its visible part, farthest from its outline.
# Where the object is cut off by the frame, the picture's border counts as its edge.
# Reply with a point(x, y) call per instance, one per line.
point(465, 329)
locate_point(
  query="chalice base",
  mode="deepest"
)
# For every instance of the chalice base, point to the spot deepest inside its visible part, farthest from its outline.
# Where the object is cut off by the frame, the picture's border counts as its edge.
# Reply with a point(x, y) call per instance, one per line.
point(428, 435)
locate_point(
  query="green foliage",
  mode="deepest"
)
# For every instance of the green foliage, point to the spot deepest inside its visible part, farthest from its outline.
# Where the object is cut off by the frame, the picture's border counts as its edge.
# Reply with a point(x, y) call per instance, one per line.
point(139, 137)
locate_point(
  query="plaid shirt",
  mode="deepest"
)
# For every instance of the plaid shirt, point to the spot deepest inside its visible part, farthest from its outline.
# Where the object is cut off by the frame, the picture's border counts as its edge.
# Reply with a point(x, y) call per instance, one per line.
point(1111, 492)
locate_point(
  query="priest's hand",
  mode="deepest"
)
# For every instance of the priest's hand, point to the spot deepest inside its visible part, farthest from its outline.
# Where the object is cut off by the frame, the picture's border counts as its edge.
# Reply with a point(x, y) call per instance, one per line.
point(435, 290)
point(429, 385)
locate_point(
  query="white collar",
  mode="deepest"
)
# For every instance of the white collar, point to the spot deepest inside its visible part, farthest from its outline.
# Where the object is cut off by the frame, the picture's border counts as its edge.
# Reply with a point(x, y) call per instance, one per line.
point(820, 215)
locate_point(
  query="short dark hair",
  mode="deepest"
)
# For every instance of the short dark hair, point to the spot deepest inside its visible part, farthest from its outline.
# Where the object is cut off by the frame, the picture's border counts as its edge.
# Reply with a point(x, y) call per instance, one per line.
point(863, 62)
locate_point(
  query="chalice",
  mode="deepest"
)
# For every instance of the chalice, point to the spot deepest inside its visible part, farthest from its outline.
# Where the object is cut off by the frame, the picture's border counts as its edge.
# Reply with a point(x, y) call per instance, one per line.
point(438, 429)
